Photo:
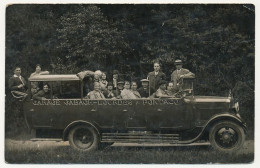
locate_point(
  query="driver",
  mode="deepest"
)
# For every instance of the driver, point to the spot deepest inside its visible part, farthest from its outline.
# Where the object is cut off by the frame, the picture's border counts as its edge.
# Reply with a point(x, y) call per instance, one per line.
point(170, 89)
point(161, 92)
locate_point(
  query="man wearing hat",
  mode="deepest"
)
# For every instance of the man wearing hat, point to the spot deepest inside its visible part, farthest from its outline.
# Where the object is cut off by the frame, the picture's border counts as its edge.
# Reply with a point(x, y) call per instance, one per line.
point(155, 77)
point(161, 92)
point(180, 73)
point(144, 90)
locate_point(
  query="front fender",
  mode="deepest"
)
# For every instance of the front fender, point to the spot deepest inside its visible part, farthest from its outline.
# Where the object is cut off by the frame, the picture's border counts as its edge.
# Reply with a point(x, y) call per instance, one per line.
point(225, 116)
point(219, 117)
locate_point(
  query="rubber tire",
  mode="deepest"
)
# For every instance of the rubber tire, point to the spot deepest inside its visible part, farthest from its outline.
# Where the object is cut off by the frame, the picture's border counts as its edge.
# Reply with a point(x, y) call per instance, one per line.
point(239, 130)
point(94, 145)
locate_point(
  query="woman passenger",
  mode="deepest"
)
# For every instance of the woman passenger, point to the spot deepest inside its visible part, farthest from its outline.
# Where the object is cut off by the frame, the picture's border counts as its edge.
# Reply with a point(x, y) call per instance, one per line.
point(134, 90)
point(126, 92)
point(35, 85)
point(43, 94)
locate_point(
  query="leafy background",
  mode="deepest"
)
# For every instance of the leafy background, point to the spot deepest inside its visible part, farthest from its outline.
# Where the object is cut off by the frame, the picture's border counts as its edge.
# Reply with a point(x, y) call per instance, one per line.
point(216, 42)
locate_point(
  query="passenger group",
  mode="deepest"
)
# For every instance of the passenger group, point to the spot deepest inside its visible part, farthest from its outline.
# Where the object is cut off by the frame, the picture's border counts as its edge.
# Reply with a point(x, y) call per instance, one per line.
point(96, 85)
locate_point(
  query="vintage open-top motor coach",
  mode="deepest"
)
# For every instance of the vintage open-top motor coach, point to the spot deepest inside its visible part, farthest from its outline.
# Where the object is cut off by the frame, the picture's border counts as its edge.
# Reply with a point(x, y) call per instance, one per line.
point(89, 124)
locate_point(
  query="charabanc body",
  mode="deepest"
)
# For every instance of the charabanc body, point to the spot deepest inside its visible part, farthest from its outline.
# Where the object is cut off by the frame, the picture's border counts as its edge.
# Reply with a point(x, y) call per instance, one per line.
point(88, 124)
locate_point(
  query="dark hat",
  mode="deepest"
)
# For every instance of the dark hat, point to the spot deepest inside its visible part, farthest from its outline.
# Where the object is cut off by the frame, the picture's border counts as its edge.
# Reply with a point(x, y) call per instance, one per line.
point(144, 80)
point(178, 62)
point(115, 72)
point(162, 82)
point(120, 82)
point(109, 84)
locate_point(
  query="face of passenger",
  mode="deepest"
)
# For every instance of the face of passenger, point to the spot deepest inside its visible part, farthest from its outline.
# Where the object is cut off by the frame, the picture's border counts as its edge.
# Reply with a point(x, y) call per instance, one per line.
point(38, 69)
point(115, 76)
point(170, 86)
point(134, 86)
point(109, 87)
point(127, 85)
point(96, 87)
point(163, 86)
point(145, 84)
point(120, 86)
point(179, 66)
point(156, 67)
point(17, 71)
point(96, 76)
point(45, 88)
point(104, 76)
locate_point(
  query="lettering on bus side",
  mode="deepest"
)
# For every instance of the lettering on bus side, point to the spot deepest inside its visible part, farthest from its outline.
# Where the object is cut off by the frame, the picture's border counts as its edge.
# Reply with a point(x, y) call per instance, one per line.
point(149, 102)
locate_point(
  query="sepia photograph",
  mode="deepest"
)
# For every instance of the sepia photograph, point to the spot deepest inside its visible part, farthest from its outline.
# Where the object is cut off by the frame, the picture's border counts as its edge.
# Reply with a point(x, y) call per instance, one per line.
point(129, 84)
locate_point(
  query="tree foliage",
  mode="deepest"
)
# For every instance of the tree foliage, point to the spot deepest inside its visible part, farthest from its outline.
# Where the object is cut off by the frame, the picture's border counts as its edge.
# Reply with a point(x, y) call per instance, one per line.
point(88, 40)
point(216, 42)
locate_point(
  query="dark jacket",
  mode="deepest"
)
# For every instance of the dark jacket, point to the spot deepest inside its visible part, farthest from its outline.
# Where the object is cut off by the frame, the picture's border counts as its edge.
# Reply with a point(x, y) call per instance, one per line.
point(154, 80)
point(143, 92)
point(14, 82)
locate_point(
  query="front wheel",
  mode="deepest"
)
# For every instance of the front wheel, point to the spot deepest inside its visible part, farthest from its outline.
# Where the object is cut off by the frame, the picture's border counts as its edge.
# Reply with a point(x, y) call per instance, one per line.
point(227, 136)
point(84, 138)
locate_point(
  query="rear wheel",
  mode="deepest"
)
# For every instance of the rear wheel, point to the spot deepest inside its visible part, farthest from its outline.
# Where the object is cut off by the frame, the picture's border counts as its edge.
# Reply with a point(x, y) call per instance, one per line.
point(83, 138)
point(227, 136)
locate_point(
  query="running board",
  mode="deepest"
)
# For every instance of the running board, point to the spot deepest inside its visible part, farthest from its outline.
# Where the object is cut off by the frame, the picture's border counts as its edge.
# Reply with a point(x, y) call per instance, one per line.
point(139, 137)
point(46, 139)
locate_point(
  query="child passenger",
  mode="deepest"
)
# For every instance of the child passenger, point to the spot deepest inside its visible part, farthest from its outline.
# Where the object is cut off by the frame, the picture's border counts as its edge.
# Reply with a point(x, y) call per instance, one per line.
point(103, 82)
point(109, 94)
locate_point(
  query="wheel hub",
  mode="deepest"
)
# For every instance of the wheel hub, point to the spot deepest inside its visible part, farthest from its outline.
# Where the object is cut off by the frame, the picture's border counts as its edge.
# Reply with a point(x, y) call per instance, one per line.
point(83, 138)
point(226, 137)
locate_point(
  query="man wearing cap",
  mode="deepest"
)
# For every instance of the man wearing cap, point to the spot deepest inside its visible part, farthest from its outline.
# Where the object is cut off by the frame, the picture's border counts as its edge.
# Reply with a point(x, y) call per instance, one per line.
point(161, 92)
point(120, 87)
point(144, 90)
point(155, 77)
point(180, 73)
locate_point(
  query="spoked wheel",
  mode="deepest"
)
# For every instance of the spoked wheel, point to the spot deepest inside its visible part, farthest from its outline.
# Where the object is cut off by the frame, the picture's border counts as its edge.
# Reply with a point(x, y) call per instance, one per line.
point(83, 138)
point(227, 136)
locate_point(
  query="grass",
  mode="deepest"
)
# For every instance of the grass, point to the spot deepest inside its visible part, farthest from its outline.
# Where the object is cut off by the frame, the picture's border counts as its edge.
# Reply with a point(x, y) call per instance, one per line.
point(125, 155)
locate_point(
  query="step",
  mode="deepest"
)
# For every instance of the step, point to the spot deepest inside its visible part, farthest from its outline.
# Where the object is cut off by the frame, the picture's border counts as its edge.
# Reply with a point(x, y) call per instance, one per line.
point(46, 139)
